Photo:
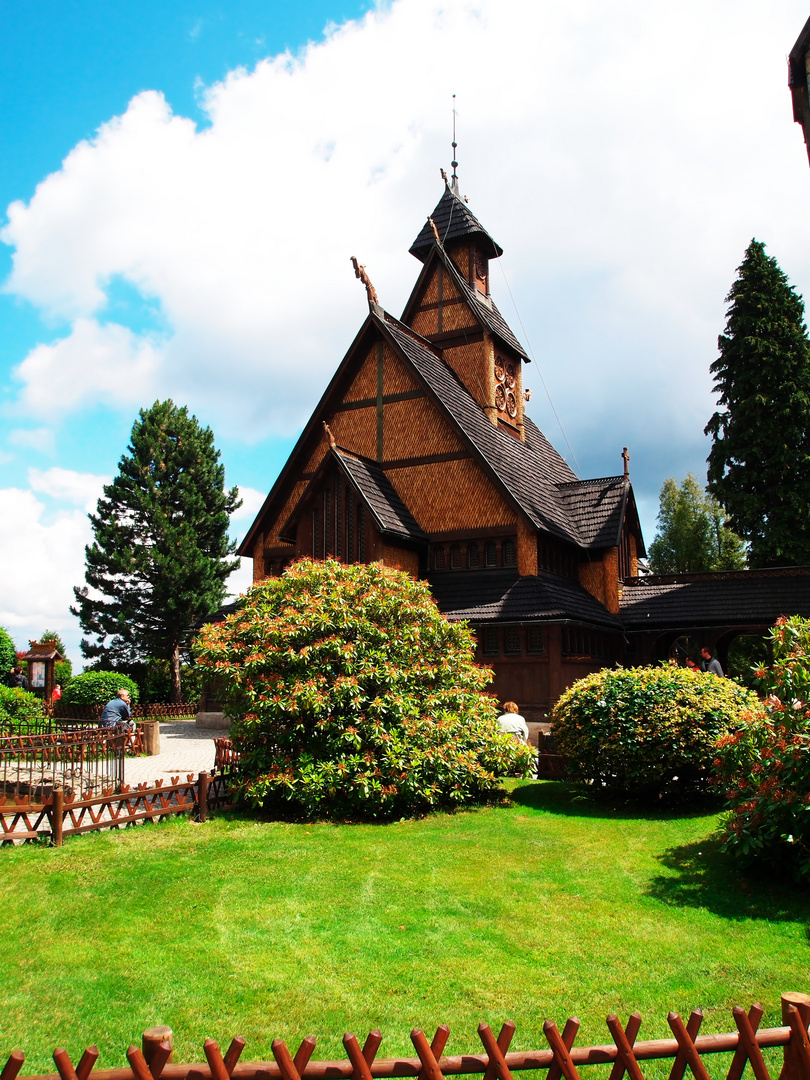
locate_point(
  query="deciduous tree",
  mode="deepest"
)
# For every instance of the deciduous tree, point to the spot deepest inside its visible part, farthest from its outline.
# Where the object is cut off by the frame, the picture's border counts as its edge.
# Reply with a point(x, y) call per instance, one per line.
point(159, 562)
point(693, 535)
point(759, 465)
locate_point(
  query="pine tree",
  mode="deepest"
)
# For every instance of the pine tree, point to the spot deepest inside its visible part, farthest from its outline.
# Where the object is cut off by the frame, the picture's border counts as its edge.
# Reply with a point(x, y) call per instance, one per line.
point(759, 464)
point(692, 534)
point(158, 563)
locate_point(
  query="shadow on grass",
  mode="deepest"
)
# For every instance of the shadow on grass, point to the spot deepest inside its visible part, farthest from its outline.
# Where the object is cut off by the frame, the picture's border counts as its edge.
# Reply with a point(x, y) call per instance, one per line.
point(558, 797)
point(706, 877)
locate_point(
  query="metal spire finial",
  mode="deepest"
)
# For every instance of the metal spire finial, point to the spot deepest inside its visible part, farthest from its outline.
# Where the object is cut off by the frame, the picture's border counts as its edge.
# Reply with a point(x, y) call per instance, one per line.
point(454, 163)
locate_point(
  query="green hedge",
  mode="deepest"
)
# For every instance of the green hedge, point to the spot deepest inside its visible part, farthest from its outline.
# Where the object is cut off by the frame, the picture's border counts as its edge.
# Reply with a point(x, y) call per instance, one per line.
point(647, 733)
point(98, 687)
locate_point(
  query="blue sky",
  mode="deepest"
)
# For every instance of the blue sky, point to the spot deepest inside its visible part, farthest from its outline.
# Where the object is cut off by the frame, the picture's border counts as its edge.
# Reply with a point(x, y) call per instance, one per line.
point(183, 185)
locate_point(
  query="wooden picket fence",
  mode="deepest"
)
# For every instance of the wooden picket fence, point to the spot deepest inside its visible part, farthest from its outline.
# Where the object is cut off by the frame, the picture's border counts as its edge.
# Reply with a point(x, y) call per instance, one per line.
point(687, 1050)
point(58, 815)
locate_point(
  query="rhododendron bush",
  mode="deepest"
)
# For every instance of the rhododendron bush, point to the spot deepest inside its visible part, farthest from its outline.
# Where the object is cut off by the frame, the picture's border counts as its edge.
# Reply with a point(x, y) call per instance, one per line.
point(764, 768)
point(353, 697)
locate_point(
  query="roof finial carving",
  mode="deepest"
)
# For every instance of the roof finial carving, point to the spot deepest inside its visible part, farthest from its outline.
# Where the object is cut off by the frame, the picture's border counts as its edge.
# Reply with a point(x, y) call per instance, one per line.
point(371, 292)
point(432, 224)
point(626, 459)
point(454, 163)
point(329, 434)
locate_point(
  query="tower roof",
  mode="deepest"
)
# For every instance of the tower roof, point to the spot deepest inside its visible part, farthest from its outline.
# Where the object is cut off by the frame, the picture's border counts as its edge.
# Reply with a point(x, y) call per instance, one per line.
point(453, 219)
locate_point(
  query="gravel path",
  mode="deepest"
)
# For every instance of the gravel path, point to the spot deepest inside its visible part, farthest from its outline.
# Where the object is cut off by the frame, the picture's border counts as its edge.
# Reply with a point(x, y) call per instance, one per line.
point(184, 748)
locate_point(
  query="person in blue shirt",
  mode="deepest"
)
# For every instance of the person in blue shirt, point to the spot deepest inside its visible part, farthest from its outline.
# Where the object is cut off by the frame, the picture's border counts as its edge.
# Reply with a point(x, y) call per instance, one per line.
point(117, 711)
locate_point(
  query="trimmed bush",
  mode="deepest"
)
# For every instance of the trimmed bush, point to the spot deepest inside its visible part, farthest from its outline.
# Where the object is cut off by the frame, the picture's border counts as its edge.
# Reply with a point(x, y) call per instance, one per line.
point(98, 687)
point(8, 654)
point(647, 733)
point(353, 698)
point(17, 705)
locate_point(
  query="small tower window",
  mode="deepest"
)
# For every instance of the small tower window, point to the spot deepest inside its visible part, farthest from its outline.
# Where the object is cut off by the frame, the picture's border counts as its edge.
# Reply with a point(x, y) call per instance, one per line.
point(511, 641)
point(473, 555)
point(491, 643)
point(490, 553)
point(438, 557)
point(509, 553)
point(534, 639)
point(455, 556)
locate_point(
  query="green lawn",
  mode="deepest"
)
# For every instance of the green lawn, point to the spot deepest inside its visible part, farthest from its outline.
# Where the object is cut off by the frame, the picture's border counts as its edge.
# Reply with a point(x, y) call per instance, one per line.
point(547, 907)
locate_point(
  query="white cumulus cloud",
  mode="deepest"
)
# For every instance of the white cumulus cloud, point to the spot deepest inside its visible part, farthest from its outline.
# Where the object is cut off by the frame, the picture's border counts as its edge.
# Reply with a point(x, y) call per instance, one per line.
point(623, 153)
point(42, 560)
point(93, 364)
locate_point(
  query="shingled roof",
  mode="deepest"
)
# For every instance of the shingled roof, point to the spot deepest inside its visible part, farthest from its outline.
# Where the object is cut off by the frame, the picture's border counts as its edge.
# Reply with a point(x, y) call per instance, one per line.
point(504, 596)
point(752, 597)
point(483, 308)
point(390, 513)
point(376, 490)
point(453, 219)
point(529, 472)
point(597, 509)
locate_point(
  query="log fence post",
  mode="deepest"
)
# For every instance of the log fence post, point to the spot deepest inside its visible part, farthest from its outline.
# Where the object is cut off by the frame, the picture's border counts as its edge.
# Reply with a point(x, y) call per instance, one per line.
point(796, 1060)
point(151, 1040)
point(57, 812)
point(202, 788)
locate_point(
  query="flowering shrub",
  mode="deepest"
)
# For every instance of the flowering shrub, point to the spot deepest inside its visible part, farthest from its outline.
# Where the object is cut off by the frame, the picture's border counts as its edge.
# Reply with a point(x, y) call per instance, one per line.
point(788, 677)
point(764, 769)
point(352, 697)
point(98, 687)
point(647, 732)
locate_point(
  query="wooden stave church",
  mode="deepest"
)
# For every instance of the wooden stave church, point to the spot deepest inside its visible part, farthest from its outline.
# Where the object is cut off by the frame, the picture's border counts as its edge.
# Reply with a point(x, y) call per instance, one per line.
point(420, 455)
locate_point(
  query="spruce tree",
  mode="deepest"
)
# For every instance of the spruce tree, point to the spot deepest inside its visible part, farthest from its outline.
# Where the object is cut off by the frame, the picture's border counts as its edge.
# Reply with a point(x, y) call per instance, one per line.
point(759, 465)
point(158, 563)
point(693, 535)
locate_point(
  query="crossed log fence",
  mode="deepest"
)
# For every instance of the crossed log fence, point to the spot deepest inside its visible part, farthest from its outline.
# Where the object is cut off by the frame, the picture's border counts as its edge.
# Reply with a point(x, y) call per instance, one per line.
point(56, 816)
point(686, 1049)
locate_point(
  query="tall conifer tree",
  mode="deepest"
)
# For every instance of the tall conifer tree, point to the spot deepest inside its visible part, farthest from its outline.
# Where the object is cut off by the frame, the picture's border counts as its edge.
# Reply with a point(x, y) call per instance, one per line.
point(759, 465)
point(158, 563)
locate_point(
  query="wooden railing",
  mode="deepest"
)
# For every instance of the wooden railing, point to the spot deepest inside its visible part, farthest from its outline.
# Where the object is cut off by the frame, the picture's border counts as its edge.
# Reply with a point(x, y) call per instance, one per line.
point(687, 1050)
point(58, 815)
point(60, 710)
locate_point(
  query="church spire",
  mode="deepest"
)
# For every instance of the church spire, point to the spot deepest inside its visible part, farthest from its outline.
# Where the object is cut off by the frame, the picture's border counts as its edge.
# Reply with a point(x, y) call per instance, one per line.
point(454, 163)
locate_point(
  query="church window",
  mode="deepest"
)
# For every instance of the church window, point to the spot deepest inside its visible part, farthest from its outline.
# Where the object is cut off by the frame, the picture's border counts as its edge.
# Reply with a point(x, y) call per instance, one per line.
point(349, 524)
point(473, 555)
point(316, 521)
point(491, 643)
point(361, 533)
point(455, 556)
point(509, 553)
point(511, 641)
point(506, 376)
point(534, 639)
point(490, 553)
point(438, 557)
point(338, 520)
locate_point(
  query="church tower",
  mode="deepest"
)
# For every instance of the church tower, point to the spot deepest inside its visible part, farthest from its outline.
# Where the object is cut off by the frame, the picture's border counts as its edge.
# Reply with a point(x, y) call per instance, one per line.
point(452, 307)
